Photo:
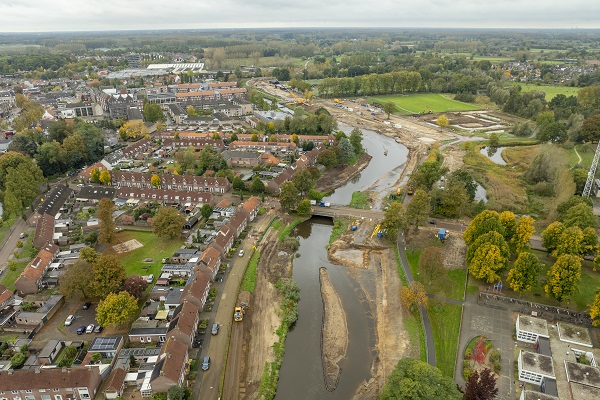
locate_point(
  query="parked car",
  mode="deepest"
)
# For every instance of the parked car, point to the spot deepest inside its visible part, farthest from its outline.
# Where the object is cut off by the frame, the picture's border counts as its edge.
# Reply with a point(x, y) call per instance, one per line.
point(87, 305)
point(206, 363)
point(150, 278)
point(90, 328)
point(22, 235)
point(81, 330)
point(98, 329)
point(241, 253)
point(69, 320)
point(215, 329)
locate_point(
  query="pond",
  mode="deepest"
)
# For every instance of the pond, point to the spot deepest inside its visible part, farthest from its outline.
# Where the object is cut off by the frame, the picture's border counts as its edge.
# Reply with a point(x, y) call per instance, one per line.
point(494, 154)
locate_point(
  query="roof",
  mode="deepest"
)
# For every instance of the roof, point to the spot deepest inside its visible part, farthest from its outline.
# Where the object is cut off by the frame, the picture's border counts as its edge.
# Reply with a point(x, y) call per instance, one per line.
point(49, 348)
point(171, 361)
point(36, 267)
point(583, 374)
point(55, 378)
point(197, 287)
point(251, 204)
point(533, 395)
point(574, 334)
point(534, 325)
point(53, 201)
point(115, 380)
point(44, 230)
point(5, 294)
point(185, 320)
point(105, 344)
point(537, 363)
point(96, 192)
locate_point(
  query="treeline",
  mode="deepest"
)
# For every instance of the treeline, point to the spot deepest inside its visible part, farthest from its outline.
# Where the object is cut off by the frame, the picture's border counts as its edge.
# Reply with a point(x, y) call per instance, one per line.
point(372, 84)
point(15, 63)
point(302, 123)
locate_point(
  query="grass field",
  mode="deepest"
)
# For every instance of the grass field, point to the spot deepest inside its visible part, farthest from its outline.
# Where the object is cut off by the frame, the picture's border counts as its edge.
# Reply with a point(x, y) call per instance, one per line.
point(154, 247)
point(451, 284)
point(586, 153)
point(418, 103)
point(10, 277)
point(445, 323)
point(360, 200)
point(550, 91)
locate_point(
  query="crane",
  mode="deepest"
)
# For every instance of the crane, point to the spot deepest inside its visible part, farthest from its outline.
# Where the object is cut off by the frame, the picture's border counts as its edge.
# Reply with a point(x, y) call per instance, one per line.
point(298, 100)
point(590, 178)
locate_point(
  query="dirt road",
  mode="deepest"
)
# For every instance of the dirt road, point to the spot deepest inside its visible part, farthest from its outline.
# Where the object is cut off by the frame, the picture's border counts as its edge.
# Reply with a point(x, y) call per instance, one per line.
point(231, 386)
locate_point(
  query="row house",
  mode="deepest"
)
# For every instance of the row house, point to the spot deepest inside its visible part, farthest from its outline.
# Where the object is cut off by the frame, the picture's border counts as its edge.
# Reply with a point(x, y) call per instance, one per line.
point(197, 288)
point(328, 140)
point(161, 98)
point(252, 205)
point(146, 332)
point(7, 102)
point(240, 220)
point(183, 255)
point(140, 147)
point(197, 142)
point(221, 85)
point(210, 261)
point(166, 197)
point(44, 230)
point(171, 367)
point(225, 238)
point(186, 97)
point(242, 159)
point(50, 383)
point(30, 280)
point(275, 148)
point(123, 179)
point(177, 113)
point(184, 323)
point(306, 160)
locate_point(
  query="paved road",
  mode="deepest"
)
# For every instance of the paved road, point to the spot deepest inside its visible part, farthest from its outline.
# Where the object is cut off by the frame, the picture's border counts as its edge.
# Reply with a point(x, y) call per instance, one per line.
point(10, 242)
point(429, 344)
point(208, 383)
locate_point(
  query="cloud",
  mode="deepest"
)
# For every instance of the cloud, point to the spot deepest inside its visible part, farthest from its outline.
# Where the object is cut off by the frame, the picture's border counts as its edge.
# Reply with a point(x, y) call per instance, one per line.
point(72, 15)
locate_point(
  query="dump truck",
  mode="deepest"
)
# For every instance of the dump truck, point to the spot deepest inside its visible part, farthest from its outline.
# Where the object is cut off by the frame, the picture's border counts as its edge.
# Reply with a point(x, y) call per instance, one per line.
point(243, 302)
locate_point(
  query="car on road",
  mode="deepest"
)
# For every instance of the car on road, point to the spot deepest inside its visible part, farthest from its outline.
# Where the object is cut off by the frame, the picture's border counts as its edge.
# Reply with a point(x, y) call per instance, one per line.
point(69, 320)
point(215, 329)
point(432, 222)
point(87, 305)
point(98, 329)
point(81, 330)
point(90, 328)
point(241, 253)
point(22, 235)
point(206, 363)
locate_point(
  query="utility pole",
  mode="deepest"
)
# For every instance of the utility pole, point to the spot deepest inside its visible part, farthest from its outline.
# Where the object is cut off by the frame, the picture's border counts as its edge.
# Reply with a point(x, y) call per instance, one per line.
point(590, 178)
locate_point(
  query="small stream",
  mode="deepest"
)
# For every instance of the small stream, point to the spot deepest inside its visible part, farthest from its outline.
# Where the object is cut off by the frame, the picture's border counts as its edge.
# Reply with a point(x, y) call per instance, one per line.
point(494, 154)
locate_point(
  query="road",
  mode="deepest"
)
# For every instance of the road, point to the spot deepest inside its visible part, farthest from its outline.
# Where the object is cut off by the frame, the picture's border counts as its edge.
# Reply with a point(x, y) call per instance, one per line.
point(208, 382)
point(344, 211)
point(231, 386)
point(10, 242)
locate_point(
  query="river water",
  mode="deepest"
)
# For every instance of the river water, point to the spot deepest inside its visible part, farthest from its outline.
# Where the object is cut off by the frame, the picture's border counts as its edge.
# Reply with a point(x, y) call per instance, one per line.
point(381, 173)
point(494, 154)
point(301, 374)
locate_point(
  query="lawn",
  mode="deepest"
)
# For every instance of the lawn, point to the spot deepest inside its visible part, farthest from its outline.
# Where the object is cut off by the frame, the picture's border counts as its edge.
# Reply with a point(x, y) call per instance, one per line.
point(10, 277)
point(419, 103)
point(6, 225)
point(586, 153)
point(360, 200)
point(451, 285)
point(551, 91)
point(249, 279)
point(154, 247)
point(445, 323)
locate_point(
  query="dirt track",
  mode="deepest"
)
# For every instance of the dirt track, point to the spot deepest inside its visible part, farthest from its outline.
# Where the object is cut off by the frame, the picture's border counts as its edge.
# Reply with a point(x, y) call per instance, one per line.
point(334, 336)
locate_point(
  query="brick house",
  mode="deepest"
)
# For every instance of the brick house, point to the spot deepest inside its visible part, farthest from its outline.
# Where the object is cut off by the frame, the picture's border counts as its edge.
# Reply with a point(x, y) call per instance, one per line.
point(171, 367)
point(184, 323)
point(30, 280)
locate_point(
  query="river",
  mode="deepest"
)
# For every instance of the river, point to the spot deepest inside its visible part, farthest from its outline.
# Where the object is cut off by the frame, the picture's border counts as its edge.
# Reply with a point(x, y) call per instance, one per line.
point(382, 172)
point(301, 374)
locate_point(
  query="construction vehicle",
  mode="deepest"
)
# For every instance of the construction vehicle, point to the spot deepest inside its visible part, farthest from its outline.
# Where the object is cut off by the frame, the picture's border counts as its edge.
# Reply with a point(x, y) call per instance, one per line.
point(410, 190)
point(242, 305)
point(338, 101)
point(297, 100)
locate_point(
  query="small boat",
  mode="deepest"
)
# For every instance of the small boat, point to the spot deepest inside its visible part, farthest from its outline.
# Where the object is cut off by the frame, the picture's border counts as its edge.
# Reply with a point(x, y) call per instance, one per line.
point(385, 152)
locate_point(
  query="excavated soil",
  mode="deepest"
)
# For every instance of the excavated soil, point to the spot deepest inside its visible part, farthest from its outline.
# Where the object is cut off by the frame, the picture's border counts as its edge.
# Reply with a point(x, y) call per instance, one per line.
point(340, 175)
point(334, 334)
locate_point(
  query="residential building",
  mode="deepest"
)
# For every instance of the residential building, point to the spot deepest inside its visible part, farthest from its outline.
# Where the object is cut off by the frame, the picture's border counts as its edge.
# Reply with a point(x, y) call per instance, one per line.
point(196, 142)
point(197, 288)
point(252, 205)
point(50, 351)
point(183, 255)
point(210, 260)
point(171, 367)
point(275, 148)
point(30, 280)
point(166, 197)
point(6, 297)
point(115, 384)
point(122, 179)
point(242, 158)
point(44, 230)
point(184, 323)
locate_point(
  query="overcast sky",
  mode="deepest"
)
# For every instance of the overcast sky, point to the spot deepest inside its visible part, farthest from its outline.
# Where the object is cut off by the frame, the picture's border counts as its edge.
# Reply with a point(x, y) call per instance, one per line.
point(92, 15)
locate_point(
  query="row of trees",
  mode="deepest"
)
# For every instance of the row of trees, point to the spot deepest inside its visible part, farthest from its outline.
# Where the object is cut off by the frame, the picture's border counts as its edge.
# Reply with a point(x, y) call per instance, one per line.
point(372, 84)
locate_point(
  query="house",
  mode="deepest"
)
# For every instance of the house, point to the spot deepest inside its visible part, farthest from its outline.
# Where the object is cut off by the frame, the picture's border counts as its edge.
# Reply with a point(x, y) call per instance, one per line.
point(122, 179)
point(252, 205)
point(166, 197)
point(93, 194)
point(183, 255)
point(275, 148)
point(44, 230)
point(6, 297)
point(197, 142)
point(170, 368)
point(50, 351)
point(148, 332)
point(184, 323)
point(30, 280)
point(47, 306)
point(197, 288)
point(239, 221)
point(52, 202)
point(225, 237)
point(211, 261)
point(115, 384)
point(530, 329)
point(242, 158)
point(108, 346)
point(61, 383)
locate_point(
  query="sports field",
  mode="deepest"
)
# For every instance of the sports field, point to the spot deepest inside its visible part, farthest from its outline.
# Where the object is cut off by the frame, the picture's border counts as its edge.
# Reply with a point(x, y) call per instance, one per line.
point(550, 91)
point(422, 103)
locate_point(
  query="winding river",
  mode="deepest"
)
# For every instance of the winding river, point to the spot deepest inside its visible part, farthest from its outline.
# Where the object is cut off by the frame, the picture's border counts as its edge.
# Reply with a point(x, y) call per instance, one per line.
point(301, 374)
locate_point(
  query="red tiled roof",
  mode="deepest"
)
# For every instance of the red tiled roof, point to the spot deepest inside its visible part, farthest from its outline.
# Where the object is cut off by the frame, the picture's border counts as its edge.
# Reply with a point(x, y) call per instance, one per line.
point(115, 380)
point(55, 378)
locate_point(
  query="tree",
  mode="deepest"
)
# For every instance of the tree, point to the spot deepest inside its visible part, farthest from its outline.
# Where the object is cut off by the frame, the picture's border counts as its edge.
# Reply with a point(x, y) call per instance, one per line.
point(523, 232)
point(484, 222)
point(418, 209)
point(238, 183)
point(107, 223)
point(95, 175)
point(116, 309)
point(442, 121)
point(135, 286)
point(289, 196)
point(492, 237)
point(570, 241)
point(481, 385)
point(451, 201)
point(168, 222)
point(524, 273)
point(191, 111)
point(153, 113)
point(59, 130)
point(390, 108)
point(96, 357)
point(108, 275)
point(257, 185)
point(304, 208)
point(133, 130)
point(155, 181)
point(590, 129)
point(176, 393)
point(413, 296)
point(254, 137)
point(595, 310)
point(551, 236)
point(487, 262)
point(327, 158)
point(304, 180)
point(509, 224)
point(75, 283)
point(563, 277)
point(21, 187)
point(417, 380)
point(431, 263)
point(206, 211)
point(394, 220)
point(345, 151)
point(356, 137)
point(580, 215)
point(494, 140)
point(17, 360)
point(105, 177)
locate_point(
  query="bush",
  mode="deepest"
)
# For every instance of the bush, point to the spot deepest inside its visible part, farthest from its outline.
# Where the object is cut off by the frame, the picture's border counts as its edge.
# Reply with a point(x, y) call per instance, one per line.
point(12, 265)
point(17, 360)
point(19, 244)
point(465, 97)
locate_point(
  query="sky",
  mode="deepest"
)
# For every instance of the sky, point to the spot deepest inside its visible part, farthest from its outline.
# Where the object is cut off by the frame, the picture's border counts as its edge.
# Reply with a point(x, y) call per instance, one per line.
point(94, 15)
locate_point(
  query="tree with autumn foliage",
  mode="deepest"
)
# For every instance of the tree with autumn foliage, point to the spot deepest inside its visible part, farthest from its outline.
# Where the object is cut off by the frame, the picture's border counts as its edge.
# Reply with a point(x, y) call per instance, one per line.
point(107, 223)
point(486, 263)
point(95, 175)
point(595, 310)
point(509, 224)
point(133, 130)
point(523, 232)
point(413, 295)
point(484, 222)
point(105, 177)
point(524, 273)
point(431, 263)
point(116, 309)
point(135, 286)
point(108, 275)
point(491, 237)
point(481, 385)
point(563, 277)
point(155, 181)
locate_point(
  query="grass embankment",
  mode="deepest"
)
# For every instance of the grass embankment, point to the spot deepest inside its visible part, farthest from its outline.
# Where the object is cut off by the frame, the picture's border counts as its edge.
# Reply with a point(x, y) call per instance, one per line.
point(412, 321)
point(5, 229)
point(339, 227)
point(360, 200)
point(10, 277)
point(445, 317)
point(249, 279)
point(289, 314)
point(582, 155)
point(154, 247)
point(420, 103)
point(285, 232)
